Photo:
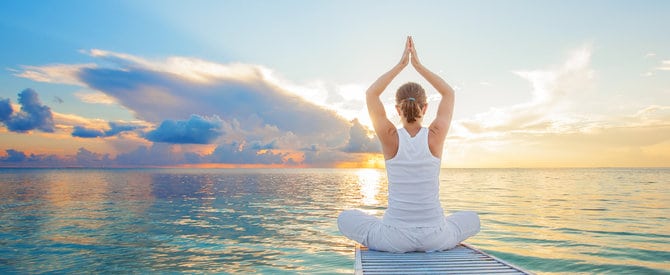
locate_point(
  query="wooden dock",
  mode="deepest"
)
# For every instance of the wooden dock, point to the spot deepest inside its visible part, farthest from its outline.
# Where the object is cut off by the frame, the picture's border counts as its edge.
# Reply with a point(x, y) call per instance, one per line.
point(463, 259)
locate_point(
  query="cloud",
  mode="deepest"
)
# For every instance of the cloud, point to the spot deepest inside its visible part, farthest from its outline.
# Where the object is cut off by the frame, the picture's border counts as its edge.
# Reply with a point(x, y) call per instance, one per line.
point(56, 73)
point(550, 91)
point(322, 157)
point(245, 153)
point(227, 153)
point(155, 97)
point(14, 156)
point(552, 129)
point(6, 109)
point(115, 128)
point(638, 139)
point(360, 141)
point(87, 158)
point(190, 69)
point(195, 130)
point(181, 95)
point(119, 127)
point(33, 115)
point(159, 154)
point(95, 98)
point(178, 87)
point(83, 132)
point(665, 65)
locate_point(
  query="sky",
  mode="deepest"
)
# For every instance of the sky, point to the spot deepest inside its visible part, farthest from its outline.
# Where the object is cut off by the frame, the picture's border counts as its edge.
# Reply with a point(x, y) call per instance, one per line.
point(281, 83)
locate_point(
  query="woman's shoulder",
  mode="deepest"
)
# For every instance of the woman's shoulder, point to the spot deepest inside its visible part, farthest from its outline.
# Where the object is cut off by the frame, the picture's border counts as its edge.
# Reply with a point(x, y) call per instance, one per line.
point(389, 141)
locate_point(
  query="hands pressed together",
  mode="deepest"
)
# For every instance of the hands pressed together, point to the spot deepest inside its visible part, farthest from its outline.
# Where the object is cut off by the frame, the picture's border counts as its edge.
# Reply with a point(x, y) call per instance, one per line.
point(409, 54)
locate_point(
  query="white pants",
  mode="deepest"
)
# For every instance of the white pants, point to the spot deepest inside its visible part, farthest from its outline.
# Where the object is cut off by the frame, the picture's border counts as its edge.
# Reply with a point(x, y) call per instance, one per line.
point(371, 232)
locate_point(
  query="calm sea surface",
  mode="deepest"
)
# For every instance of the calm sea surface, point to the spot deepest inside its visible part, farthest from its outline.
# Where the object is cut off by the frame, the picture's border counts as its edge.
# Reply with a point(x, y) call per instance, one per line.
point(284, 221)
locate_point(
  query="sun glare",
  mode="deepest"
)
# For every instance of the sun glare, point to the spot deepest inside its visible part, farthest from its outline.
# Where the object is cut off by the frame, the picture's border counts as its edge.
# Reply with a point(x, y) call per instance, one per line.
point(369, 182)
point(367, 160)
point(376, 161)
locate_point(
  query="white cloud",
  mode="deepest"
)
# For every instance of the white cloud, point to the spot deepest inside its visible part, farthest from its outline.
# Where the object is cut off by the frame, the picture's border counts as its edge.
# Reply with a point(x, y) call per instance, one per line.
point(651, 115)
point(95, 97)
point(550, 128)
point(637, 139)
point(550, 93)
point(71, 120)
point(56, 73)
point(665, 65)
point(192, 69)
point(347, 100)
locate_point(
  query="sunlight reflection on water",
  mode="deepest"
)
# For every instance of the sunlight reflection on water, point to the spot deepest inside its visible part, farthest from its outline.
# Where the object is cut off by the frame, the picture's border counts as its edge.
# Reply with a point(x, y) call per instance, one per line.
point(284, 221)
point(369, 181)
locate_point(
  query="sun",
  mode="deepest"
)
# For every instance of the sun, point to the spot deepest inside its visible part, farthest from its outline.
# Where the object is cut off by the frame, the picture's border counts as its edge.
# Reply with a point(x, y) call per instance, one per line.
point(375, 161)
point(365, 160)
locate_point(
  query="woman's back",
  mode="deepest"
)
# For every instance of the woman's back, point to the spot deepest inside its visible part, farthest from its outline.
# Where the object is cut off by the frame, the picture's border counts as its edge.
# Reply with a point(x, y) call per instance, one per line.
point(413, 178)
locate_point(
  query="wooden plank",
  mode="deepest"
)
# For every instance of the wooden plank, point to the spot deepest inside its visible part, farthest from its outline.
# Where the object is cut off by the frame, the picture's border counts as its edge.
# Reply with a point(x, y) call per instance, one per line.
point(511, 271)
point(463, 259)
point(358, 265)
point(437, 268)
point(493, 257)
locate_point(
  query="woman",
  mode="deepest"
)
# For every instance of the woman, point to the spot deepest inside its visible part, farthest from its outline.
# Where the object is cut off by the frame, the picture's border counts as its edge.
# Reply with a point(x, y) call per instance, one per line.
point(414, 219)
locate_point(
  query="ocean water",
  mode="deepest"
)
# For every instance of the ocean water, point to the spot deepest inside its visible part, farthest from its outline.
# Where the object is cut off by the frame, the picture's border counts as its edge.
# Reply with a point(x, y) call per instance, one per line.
point(276, 221)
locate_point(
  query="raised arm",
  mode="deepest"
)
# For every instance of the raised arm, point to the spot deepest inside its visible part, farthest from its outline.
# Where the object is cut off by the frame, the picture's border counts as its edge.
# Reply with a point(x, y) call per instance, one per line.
point(384, 128)
point(440, 126)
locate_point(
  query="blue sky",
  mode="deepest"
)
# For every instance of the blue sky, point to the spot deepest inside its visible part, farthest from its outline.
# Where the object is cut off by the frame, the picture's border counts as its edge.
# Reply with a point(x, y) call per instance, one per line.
point(569, 83)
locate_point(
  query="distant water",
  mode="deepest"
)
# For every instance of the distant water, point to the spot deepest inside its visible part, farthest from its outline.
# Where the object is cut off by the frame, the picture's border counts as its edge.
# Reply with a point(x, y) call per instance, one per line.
point(284, 221)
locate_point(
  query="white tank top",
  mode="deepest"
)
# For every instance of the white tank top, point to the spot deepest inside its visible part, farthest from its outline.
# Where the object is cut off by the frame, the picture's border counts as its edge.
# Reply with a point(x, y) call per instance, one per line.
point(413, 183)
